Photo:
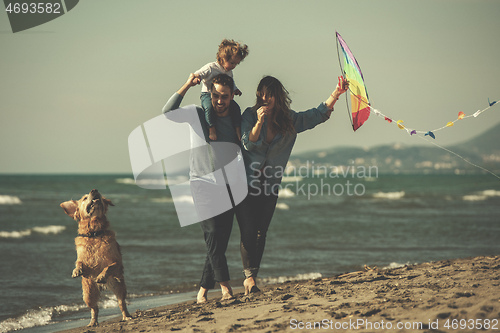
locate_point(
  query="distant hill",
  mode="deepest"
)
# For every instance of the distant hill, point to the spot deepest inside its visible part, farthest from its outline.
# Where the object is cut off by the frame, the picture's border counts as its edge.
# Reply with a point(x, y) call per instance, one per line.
point(486, 143)
point(483, 150)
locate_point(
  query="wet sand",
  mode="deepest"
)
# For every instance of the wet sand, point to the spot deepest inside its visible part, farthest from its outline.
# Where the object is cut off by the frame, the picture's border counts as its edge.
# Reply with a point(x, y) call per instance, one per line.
point(460, 295)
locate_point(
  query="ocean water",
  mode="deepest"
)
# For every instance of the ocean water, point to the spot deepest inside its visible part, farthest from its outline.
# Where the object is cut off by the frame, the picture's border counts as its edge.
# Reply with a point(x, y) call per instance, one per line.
point(323, 226)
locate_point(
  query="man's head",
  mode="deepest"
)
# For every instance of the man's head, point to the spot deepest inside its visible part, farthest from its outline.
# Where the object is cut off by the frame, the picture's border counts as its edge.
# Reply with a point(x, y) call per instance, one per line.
point(222, 91)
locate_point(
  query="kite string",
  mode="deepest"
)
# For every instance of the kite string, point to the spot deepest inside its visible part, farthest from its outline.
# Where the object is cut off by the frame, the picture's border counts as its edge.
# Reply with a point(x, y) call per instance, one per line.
point(466, 160)
point(411, 131)
point(380, 114)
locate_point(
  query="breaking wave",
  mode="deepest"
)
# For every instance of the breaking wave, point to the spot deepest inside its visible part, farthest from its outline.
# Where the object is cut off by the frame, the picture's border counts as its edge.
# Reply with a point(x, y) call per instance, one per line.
point(46, 230)
point(44, 315)
point(395, 265)
point(282, 206)
point(10, 200)
point(286, 193)
point(153, 181)
point(39, 317)
point(389, 195)
point(481, 195)
point(298, 277)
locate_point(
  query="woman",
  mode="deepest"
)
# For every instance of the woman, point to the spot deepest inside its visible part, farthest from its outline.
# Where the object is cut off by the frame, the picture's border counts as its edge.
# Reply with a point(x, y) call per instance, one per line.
point(269, 130)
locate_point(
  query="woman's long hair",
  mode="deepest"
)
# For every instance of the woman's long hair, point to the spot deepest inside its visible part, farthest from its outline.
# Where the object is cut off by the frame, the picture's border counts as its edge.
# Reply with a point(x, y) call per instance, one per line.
point(272, 87)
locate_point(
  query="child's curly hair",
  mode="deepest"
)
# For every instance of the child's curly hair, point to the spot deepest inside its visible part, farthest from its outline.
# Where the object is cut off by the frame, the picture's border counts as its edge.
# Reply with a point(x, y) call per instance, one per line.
point(229, 48)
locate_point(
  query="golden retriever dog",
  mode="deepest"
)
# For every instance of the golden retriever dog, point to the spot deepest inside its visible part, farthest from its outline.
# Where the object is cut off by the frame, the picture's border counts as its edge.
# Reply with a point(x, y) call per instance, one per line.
point(99, 260)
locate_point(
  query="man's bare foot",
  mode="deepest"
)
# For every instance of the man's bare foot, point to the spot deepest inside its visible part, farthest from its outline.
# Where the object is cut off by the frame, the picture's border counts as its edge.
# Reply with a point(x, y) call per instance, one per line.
point(202, 296)
point(227, 291)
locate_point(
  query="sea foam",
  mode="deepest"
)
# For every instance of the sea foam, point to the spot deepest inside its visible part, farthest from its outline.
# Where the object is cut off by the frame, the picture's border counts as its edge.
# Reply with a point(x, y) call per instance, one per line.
point(282, 206)
point(483, 195)
point(44, 315)
point(39, 317)
point(395, 265)
point(142, 182)
point(45, 230)
point(153, 181)
point(389, 195)
point(292, 179)
point(9, 200)
point(286, 193)
point(298, 277)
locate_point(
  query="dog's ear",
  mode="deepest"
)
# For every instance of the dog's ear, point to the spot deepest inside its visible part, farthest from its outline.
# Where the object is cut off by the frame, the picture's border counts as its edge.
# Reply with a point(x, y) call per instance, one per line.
point(108, 202)
point(70, 208)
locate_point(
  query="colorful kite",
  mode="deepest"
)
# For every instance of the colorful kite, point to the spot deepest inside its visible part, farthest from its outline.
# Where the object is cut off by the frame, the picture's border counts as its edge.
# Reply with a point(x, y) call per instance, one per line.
point(360, 104)
point(361, 108)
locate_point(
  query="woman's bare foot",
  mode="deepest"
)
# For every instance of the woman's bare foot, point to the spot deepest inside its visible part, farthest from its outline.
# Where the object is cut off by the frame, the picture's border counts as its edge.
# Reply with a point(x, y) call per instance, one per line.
point(250, 286)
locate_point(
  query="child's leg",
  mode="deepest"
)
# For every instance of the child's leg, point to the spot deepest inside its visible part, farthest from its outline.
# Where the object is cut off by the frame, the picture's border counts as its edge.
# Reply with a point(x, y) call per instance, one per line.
point(212, 134)
point(235, 113)
point(238, 132)
point(206, 104)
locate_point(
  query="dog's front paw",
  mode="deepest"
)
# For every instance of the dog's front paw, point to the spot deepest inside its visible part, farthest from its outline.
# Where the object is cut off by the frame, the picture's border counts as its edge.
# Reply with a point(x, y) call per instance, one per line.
point(77, 272)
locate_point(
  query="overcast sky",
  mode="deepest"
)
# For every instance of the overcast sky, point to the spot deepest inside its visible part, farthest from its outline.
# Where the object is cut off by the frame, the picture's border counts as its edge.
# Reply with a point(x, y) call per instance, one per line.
point(74, 88)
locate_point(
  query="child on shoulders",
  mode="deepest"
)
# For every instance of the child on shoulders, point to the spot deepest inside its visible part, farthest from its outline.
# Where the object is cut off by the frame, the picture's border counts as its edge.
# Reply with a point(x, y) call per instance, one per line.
point(229, 55)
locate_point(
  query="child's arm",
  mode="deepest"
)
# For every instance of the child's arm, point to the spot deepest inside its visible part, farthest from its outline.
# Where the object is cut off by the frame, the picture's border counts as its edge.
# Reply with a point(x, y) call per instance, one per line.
point(203, 72)
point(175, 101)
point(191, 82)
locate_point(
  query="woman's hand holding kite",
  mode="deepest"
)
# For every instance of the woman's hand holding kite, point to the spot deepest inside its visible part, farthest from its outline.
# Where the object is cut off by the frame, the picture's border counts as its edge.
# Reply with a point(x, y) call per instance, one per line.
point(342, 87)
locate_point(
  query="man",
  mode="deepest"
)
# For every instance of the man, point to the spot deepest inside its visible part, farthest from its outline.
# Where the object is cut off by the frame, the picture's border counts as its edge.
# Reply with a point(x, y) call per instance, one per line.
point(207, 174)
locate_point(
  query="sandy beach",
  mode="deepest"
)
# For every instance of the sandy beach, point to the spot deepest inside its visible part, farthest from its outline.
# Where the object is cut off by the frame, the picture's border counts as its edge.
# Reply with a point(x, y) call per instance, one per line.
point(452, 295)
